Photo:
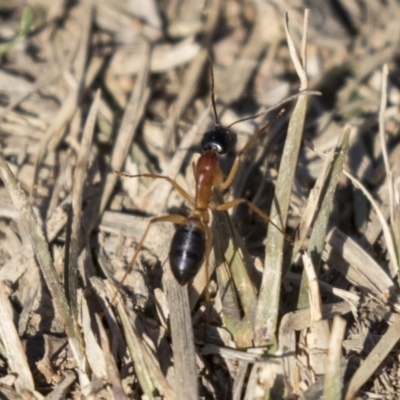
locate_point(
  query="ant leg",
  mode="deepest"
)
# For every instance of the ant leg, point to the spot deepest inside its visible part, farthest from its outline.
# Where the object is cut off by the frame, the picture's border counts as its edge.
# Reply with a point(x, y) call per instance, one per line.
point(232, 173)
point(253, 139)
point(174, 218)
point(178, 187)
point(252, 206)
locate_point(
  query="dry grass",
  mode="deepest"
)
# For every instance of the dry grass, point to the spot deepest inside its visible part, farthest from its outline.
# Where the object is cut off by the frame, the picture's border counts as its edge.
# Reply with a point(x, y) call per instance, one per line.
point(314, 317)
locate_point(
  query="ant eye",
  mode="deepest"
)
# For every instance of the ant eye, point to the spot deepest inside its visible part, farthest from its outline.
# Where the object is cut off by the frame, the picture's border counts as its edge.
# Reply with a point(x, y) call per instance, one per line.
point(219, 139)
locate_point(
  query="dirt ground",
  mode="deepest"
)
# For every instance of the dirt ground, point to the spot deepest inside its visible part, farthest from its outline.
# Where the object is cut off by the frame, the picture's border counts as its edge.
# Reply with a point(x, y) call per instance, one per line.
point(297, 297)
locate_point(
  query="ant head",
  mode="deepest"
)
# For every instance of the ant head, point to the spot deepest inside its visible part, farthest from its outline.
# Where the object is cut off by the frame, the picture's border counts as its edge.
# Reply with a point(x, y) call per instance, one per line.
point(219, 139)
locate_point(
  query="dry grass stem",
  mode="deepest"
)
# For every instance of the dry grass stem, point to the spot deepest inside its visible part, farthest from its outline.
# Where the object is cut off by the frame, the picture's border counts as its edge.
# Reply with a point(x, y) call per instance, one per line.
point(304, 233)
point(76, 202)
point(40, 247)
point(334, 374)
point(13, 346)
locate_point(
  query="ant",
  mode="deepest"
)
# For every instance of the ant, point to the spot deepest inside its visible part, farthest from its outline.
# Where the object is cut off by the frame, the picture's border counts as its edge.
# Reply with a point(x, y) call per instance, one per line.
point(192, 241)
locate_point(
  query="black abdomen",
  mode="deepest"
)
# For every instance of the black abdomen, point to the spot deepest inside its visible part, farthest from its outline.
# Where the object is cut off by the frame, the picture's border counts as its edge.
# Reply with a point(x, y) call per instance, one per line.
point(187, 251)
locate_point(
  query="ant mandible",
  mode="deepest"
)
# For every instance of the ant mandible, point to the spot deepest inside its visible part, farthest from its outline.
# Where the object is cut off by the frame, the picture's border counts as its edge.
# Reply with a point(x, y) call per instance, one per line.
point(192, 241)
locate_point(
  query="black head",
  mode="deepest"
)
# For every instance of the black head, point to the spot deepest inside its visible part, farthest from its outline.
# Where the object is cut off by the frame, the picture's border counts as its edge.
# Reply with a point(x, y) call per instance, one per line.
point(219, 139)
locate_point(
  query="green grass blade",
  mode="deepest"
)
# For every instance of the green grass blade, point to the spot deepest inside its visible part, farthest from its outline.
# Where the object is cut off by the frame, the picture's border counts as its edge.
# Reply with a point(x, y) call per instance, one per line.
point(26, 22)
point(233, 277)
point(317, 240)
point(268, 302)
point(26, 25)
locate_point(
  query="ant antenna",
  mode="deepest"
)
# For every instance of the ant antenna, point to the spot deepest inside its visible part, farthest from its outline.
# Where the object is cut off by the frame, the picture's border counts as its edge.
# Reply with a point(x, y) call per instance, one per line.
point(278, 105)
point(246, 119)
point(212, 89)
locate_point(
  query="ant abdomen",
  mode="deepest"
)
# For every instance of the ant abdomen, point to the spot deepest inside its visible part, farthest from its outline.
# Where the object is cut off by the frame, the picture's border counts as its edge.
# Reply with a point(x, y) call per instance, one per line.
point(187, 251)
